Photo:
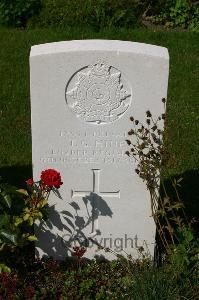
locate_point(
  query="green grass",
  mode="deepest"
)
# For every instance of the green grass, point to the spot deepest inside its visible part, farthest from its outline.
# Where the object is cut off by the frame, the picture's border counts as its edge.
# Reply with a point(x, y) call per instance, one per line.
point(183, 105)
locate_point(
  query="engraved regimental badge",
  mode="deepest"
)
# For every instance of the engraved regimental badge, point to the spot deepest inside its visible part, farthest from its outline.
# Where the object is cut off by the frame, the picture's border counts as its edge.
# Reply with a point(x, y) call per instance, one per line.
point(98, 94)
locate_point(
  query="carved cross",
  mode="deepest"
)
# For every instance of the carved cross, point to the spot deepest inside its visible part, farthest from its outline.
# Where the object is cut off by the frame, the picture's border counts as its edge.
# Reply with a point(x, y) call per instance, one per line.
point(96, 190)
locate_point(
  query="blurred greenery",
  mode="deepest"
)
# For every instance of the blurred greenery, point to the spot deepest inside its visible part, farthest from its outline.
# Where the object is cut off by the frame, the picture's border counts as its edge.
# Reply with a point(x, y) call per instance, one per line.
point(94, 13)
point(16, 12)
point(99, 14)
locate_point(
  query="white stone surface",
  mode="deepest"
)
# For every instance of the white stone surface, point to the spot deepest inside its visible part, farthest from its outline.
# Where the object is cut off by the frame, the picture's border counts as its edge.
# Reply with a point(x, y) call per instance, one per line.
point(82, 95)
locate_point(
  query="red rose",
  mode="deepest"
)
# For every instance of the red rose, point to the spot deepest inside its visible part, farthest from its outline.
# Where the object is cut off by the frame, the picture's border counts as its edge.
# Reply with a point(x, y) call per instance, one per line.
point(51, 178)
point(30, 182)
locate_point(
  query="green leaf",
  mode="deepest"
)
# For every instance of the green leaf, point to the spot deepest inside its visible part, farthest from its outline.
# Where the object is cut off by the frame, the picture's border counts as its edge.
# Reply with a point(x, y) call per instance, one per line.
point(4, 268)
point(22, 191)
point(4, 220)
point(189, 235)
point(18, 221)
point(32, 238)
point(7, 199)
point(10, 236)
point(26, 217)
point(30, 221)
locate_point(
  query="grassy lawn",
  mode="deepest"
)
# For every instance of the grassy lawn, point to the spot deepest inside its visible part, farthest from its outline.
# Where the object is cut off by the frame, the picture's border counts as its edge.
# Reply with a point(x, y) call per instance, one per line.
point(183, 105)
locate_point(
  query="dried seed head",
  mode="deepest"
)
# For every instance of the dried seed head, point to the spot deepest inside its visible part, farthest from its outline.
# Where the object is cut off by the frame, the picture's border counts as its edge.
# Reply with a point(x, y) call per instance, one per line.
point(127, 153)
point(131, 132)
point(144, 138)
point(141, 249)
point(128, 142)
point(154, 127)
point(129, 256)
point(137, 171)
point(142, 146)
point(163, 116)
point(148, 114)
point(148, 121)
point(152, 152)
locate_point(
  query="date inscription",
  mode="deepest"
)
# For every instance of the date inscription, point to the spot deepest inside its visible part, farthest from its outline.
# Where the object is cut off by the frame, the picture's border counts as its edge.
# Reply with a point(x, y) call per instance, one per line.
point(84, 147)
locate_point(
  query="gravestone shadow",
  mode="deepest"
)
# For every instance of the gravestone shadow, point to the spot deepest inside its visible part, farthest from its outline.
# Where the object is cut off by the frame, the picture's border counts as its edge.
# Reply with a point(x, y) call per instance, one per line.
point(16, 175)
point(73, 227)
point(188, 193)
point(95, 207)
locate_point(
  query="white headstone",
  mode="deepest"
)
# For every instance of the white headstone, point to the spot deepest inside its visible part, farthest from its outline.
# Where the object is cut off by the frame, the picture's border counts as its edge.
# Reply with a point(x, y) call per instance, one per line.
point(82, 95)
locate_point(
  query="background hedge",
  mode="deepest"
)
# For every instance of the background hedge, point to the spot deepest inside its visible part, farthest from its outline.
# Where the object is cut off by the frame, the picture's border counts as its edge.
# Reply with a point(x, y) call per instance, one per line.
point(15, 13)
point(99, 14)
point(92, 13)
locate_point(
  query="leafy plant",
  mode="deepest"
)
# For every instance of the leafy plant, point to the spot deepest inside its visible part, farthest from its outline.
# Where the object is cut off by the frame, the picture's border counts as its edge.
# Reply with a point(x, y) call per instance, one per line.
point(181, 13)
point(175, 234)
point(17, 12)
point(12, 204)
point(93, 13)
point(19, 209)
point(194, 22)
point(48, 279)
point(147, 149)
point(8, 286)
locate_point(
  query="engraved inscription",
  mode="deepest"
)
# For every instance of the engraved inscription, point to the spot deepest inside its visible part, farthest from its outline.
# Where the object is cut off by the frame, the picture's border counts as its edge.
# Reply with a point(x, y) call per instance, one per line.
point(96, 94)
point(84, 147)
point(94, 192)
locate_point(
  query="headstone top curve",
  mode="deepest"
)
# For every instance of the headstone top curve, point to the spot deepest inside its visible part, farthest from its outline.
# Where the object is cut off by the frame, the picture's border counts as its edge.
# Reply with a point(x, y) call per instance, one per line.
point(99, 45)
